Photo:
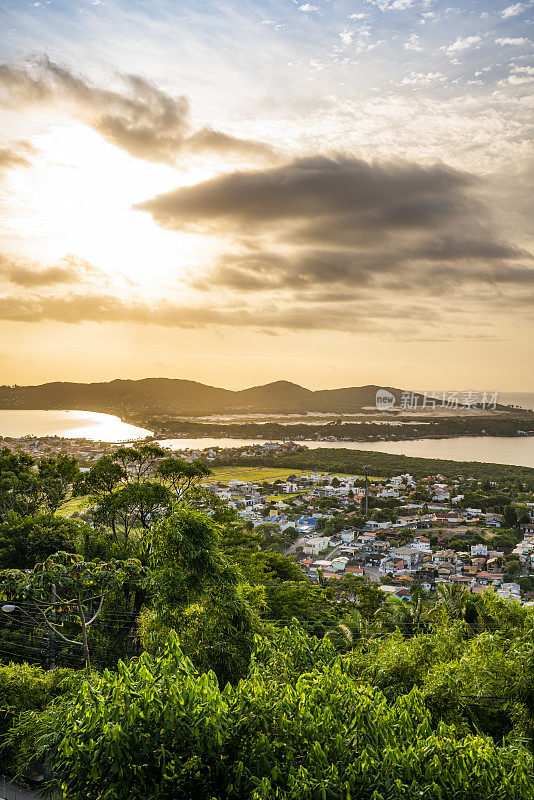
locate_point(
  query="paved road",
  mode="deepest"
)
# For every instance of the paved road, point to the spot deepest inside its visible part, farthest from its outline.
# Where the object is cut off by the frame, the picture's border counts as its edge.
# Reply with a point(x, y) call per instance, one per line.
point(13, 791)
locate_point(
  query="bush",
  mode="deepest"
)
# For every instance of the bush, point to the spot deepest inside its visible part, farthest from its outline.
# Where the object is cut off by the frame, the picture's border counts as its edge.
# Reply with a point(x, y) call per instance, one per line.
point(159, 731)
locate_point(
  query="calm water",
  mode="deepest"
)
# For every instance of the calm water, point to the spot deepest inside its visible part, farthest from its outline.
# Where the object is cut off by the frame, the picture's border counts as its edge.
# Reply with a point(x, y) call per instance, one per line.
point(493, 449)
point(108, 428)
point(69, 424)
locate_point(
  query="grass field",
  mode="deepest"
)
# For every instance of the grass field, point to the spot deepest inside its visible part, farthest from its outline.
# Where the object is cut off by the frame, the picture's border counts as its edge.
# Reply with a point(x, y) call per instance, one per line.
point(254, 474)
point(259, 474)
point(73, 506)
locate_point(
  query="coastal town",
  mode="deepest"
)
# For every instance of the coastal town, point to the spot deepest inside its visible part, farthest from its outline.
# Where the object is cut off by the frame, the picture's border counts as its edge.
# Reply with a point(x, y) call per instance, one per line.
point(414, 533)
point(399, 532)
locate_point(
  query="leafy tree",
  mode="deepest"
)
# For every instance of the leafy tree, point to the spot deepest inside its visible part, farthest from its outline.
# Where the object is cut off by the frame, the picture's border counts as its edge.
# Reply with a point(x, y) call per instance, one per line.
point(25, 490)
point(510, 517)
point(138, 463)
point(135, 505)
point(56, 476)
point(67, 592)
point(181, 475)
point(25, 541)
point(101, 479)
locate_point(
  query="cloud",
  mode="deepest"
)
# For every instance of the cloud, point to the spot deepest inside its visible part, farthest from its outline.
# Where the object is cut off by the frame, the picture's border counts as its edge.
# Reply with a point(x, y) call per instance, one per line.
point(344, 225)
point(462, 43)
point(324, 225)
point(507, 40)
point(413, 43)
point(392, 5)
point(308, 7)
point(373, 316)
point(514, 10)
point(422, 79)
point(16, 155)
point(142, 119)
point(319, 198)
point(69, 270)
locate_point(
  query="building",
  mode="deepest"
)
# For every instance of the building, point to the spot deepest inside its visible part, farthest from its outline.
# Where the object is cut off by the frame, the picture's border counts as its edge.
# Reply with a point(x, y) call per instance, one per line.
point(316, 545)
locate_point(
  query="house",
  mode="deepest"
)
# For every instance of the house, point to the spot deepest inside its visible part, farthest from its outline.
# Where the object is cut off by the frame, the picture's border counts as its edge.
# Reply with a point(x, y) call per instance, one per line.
point(445, 557)
point(347, 536)
point(320, 566)
point(339, 563)
point(306, 524)
point(421, 543)
point(479, 550)
point(316, 544)
point(509, 591)
point(489, 578)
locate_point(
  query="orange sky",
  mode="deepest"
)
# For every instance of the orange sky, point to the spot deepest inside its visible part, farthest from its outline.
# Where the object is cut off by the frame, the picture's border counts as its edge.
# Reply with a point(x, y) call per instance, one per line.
point(334, 194)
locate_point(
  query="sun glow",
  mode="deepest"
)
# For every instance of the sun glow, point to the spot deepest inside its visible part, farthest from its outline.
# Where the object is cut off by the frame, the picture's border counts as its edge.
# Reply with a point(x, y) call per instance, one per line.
point(77, 199)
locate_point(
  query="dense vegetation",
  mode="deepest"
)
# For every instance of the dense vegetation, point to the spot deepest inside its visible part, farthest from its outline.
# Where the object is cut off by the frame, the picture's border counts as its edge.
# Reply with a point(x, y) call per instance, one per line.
point(192, 663)
point(491, 424)
point(351, 462)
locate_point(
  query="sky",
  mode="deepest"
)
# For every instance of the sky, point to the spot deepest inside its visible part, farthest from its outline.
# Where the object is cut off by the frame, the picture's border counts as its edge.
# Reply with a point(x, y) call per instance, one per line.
point(334, 193)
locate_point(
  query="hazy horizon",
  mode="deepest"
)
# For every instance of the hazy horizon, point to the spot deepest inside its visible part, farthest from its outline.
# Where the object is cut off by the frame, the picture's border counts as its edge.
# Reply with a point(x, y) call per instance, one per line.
point(334, 193)
point(317, 387)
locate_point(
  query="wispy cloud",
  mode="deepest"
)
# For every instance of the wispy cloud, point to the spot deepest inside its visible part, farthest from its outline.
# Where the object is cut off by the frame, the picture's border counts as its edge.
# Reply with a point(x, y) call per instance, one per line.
point(462, 43)
point(143, 119)
point(514, 10)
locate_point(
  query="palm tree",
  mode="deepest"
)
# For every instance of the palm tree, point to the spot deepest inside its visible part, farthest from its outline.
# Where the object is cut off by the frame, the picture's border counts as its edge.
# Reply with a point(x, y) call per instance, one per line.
point(348, 631)
point(410, 617)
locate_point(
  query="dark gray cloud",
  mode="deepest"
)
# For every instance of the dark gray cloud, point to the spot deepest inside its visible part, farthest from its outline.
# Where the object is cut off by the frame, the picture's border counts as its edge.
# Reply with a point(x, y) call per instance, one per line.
point(320, 223)
point(143, 120)
point(320, 198)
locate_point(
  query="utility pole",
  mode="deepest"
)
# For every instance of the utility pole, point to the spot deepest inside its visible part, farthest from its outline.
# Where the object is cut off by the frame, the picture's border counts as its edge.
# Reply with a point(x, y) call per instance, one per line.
point(366, 468)
point(52, 635)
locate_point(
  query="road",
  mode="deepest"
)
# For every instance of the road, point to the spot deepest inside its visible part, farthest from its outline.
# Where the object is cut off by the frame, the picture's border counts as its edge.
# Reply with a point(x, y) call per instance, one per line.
point(13, 791)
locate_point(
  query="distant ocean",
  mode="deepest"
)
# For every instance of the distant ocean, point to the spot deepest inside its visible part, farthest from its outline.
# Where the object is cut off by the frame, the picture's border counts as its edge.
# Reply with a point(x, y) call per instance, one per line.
point(523, 399)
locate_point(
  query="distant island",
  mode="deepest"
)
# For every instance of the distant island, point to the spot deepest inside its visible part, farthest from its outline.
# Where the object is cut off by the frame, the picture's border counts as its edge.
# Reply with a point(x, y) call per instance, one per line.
point(174, 408)
point(190, 398)
point(175, 396)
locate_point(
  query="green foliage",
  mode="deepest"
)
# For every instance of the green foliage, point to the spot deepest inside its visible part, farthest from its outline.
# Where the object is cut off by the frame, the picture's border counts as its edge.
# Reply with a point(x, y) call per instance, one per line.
point(25, 688)
point(25, 490)
point(24, 541)
point(67, 593)
point(157, 730)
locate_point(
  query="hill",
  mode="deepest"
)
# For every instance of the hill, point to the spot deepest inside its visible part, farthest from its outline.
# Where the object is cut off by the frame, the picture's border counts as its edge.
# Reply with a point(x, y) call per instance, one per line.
point(174, 396)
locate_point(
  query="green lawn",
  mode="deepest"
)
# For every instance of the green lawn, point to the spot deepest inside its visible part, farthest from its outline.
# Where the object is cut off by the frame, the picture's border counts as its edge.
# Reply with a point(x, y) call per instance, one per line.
point(73, 506)
point(260, 474)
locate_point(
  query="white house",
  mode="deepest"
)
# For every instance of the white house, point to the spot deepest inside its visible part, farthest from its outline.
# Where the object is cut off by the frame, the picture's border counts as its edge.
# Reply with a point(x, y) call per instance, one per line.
point(422, 544)
point(316, 544)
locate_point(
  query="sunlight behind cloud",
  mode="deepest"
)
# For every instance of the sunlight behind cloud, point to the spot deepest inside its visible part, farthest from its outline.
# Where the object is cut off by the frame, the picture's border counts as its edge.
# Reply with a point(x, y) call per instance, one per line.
point(78, 199)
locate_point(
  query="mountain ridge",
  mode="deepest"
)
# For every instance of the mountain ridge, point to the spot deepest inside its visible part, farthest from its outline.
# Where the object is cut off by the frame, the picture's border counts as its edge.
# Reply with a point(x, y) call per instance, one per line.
point(180, 396)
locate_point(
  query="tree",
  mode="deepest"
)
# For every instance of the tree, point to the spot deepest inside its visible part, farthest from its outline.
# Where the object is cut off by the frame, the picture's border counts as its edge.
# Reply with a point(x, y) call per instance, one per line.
point(26, 490)
point(56, 476)
point(101, 479)
point(25, 541)
point(185, 559)
point(410, 617)
point(140, 462)
point(181, 475)
point(66, 592)
point(510, 516)
point(135, 505)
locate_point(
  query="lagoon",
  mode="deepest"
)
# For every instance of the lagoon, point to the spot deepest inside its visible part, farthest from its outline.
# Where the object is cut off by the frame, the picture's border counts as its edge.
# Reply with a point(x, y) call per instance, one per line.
point(516, 450)
point(70, 425)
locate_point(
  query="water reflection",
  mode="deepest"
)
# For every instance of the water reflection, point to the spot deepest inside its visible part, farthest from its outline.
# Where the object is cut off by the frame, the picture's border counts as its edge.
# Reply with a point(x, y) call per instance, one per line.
point(70, 425)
